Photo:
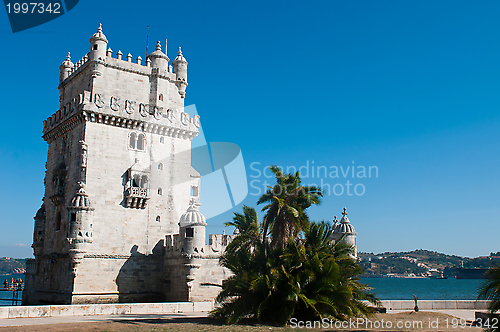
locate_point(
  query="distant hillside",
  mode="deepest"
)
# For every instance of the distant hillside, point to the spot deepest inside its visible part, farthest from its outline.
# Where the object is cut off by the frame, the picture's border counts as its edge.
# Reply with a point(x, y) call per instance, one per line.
point(419, 262)
point(11, 265)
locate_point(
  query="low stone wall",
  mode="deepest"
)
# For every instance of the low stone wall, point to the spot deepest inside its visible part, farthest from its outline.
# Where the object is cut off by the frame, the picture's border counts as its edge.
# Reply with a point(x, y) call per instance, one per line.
point(103, 309)
point(435, 305)
point(177, 307)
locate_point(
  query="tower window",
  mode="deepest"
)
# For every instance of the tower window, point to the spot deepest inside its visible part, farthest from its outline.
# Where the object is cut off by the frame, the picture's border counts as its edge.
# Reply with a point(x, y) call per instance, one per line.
point(160, 97)
point(58, 220)
point(137, 141)
point(189, 232)
point(95, 47)
point(141, 142)
point(72, 217)
point(160, 166)
point(160, 192)
point(162, 140)
point(133, 138)
point(194, 191)
point(158, 218)
point(144, 181)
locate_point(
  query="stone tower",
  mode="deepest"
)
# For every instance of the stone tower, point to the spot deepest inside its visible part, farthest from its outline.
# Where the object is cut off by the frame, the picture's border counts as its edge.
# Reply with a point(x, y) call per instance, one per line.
point(118, 180)
point(344, 232)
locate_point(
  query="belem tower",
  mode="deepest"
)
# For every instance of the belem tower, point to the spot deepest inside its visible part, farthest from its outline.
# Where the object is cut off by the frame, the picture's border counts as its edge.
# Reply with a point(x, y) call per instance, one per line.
point(120, 218)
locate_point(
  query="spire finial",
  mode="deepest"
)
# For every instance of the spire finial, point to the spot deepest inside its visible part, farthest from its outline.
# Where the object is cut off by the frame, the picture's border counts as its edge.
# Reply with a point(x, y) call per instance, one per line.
point(68, 57)
point(335, 220)
point(180, 51)
point(158, 46)
point(345, 212)
point(99, 28)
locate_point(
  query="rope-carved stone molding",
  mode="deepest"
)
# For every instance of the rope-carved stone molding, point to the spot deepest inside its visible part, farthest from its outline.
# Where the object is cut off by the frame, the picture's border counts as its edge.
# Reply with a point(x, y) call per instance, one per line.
point(106, 256)
point(117, 121)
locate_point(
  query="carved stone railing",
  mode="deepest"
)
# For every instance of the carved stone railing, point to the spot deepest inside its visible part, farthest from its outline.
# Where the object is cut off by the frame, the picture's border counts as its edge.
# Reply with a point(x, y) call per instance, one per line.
point(137, 197)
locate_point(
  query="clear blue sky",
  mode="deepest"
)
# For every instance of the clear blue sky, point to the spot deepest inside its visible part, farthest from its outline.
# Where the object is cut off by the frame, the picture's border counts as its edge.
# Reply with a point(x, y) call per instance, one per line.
point(412, 87)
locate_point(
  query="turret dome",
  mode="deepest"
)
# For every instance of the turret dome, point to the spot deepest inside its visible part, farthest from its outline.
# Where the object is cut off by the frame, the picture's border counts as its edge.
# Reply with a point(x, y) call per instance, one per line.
point(179, 58)
point(81, 199)
point(158, 53)
point(99, 35)
point(344, 226)
point(192, 216)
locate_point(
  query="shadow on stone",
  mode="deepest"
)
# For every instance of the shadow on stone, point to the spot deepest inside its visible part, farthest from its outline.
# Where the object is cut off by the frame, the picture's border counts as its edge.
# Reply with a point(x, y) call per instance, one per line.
point(140, 277)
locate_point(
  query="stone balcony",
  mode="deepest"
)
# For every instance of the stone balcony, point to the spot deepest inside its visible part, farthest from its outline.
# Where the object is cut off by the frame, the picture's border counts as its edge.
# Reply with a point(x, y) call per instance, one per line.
point(136, 197)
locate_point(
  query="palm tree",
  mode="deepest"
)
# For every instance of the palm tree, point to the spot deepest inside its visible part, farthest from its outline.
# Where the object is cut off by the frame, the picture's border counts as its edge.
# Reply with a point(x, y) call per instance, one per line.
point(308, 279)
point(490, 291)
point(286, 205)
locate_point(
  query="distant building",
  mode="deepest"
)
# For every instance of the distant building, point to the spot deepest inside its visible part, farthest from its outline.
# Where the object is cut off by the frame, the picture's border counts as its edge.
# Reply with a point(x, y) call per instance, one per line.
point(120, 219)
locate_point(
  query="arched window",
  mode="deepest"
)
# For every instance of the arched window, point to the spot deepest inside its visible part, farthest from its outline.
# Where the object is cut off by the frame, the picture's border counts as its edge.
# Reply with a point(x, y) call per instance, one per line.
point(144, 181)
point(160, 192)
point(160, 97)
point(136, 181)
point(133, 138)
point(162, 140)
point(158, 218)
point(141, 142)
point(160, 166)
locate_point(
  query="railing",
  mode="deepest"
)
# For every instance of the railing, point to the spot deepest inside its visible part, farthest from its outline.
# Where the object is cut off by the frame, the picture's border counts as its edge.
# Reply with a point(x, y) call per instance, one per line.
point(14, 286)
point(138, 192)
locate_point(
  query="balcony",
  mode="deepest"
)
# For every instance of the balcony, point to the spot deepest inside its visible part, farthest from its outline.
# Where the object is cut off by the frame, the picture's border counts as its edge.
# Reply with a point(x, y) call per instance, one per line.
point(136, 197)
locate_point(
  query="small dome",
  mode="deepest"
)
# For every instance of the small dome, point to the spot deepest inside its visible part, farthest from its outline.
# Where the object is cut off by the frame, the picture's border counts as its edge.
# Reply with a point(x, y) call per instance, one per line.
point(67, 63)
point(193, 217)
point(179, 58)
point(344, 226)
point(81, 199)
point(99, 35)
point(158, 53)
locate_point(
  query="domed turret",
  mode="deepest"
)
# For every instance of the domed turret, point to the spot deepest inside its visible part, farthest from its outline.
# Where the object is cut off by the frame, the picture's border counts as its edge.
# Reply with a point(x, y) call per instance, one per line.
point(81, 217)
point(65, 68)
point(180, 69)
point(159, 59)
point(344, 229)
point(192, 229)
point(98, 45)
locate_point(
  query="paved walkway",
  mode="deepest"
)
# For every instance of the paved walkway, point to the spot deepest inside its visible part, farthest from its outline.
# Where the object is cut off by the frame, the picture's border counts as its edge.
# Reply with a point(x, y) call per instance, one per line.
point(98, 318)
point(466, 314)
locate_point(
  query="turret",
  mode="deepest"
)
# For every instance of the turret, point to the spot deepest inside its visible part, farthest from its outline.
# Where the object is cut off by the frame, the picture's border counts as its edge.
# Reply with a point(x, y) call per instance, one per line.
point(159, 59)
point(344, 232)
point(65, 68)
point(192, 229)
point(180, 69)
point(80, 221)
point(98, 45)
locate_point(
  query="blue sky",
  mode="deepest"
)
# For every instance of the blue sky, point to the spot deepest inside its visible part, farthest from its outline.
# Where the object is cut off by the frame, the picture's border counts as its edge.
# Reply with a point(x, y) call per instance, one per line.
point(411, 87)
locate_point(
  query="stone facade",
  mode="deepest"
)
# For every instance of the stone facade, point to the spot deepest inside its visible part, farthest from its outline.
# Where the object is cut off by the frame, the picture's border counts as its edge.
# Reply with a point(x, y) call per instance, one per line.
point(120, 219)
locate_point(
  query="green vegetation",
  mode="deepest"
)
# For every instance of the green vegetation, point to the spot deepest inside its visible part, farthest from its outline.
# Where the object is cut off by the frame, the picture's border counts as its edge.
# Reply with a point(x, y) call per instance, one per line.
point(490, 291)
point(419, 261)
point(292, 270)
point(8, 265)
